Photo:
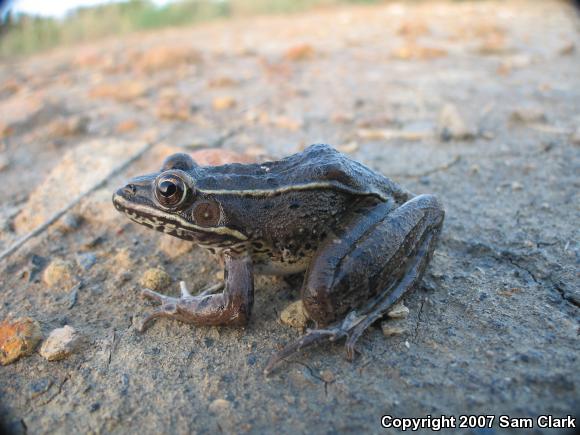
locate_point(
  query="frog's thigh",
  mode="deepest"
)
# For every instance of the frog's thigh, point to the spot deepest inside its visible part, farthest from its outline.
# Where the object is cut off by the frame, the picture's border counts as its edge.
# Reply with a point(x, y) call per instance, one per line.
point(375, 252)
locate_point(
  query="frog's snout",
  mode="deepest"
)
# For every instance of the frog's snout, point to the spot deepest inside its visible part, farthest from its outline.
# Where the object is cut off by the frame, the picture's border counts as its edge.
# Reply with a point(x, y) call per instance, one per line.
point(128, 191)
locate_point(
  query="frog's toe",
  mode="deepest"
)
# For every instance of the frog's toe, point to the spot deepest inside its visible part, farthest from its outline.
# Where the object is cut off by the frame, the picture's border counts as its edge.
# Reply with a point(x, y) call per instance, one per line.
point(312, 336)
point(350, 348)
point(166, 310)
point(153, 296)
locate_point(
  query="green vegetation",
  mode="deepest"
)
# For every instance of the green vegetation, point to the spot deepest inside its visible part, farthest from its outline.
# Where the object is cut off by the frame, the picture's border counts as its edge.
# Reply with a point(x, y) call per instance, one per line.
point(29, 34)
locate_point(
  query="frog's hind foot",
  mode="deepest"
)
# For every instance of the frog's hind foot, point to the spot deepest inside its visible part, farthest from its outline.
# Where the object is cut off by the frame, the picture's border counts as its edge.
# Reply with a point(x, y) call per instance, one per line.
point(314, 336)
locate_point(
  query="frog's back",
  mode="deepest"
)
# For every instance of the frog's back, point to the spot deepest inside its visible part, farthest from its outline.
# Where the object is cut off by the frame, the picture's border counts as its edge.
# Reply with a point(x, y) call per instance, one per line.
point(317, 166)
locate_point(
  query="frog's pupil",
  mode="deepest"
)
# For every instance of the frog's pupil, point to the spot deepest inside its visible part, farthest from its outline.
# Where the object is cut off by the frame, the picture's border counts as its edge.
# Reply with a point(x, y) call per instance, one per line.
point(167, 188)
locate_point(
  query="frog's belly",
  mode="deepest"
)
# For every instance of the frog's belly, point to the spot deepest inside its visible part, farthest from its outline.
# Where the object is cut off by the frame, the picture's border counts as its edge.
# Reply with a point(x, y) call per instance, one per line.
point(269, 267)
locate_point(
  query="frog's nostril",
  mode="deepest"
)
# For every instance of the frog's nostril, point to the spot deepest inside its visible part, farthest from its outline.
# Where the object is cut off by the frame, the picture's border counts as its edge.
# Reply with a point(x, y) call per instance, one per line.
point(129, 189)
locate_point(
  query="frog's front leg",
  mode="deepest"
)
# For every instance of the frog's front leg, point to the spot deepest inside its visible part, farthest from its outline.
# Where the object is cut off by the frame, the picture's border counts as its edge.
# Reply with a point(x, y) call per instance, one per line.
point(231, 307)
point(356, 277)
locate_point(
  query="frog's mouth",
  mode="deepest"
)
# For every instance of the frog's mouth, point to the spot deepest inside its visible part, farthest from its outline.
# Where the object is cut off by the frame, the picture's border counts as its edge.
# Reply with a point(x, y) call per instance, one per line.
point(173, 224)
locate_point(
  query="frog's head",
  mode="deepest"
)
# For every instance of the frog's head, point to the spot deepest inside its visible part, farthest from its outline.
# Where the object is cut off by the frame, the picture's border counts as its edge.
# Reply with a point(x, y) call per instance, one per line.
point(168, 201)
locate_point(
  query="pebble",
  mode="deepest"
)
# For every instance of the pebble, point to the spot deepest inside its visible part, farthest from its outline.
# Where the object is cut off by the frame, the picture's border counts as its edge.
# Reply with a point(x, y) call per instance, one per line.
point(300, 52)
point(18, 338)
point(165, 57)
point(4, 162)
point(124, 91)
point(452, 126)
point(223, 103)
point(399, 311)
point(86, 260)
point(516, 185)
point(174, 109)
point(293, 315)
point(60, 343)
point(71, 126)
point(390, 330)
point(59, 273)
point(413, 51)
point(528, 115)
point(127, 126)
point(69, 223)
point(155, 279)
point(219, 406)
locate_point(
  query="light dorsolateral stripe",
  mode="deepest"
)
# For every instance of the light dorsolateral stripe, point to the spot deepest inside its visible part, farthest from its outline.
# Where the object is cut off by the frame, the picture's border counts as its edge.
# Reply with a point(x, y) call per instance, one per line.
point(293, 188)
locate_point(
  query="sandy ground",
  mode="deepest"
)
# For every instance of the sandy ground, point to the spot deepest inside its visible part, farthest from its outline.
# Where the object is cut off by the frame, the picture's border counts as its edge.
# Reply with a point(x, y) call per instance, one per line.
point(478, 103)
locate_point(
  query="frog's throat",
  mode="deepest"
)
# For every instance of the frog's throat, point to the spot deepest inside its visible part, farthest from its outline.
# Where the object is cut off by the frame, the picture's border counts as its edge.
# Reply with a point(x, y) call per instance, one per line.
point(150, 216)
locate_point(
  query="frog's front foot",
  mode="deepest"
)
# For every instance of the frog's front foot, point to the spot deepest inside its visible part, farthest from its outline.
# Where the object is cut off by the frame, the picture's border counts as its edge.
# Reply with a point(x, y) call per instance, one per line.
point(168, 304)
point(211, 307)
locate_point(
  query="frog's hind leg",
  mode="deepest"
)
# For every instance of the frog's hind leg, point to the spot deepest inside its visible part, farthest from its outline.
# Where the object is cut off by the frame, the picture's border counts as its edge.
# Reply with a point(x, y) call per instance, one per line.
point(379, 258)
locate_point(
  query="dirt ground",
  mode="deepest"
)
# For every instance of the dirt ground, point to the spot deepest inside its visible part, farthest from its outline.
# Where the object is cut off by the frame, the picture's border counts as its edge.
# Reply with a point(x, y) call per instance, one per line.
point(478, 103)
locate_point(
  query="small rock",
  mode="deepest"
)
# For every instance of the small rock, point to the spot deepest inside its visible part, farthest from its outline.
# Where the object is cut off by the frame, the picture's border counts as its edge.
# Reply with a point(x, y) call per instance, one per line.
point(9, 87)
point(516, 185)
point(567, 49)
point(122, 91)
point(70, 126)
point(390, 330)
point(164, 57)
point(300, 52)
point(60, 343)
point(528, 115)
point(127, 126)
point(399, 311)
point(155, 279)
point(86, 260)
point(494, 43)
point(174, 109)
point(4, 162)
point(59, 273)
point(222, 82)
point(69, 223)
point(223, 103)
point(18, 338)
point(451, 125)
point(412, 51)
point(293, 315)
point(219, 405)
point(413, 29)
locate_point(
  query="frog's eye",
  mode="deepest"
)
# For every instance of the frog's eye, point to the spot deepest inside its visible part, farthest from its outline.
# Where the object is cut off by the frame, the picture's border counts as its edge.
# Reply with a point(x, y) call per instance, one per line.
point(170, 191)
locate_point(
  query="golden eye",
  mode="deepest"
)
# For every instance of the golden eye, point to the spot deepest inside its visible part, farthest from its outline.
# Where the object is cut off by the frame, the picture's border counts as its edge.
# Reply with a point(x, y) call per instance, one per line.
point(207, 214)
point(170, 191)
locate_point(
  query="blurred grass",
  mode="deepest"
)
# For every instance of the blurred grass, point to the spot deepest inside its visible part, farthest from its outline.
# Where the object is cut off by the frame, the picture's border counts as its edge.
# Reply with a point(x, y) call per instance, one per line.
point(29, 34)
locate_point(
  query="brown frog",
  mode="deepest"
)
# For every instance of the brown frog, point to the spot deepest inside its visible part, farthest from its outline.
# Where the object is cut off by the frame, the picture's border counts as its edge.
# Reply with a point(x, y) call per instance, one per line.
point(362, 240)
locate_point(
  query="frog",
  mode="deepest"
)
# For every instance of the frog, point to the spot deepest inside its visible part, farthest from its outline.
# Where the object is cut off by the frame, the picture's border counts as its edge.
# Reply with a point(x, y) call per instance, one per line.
point(360, 240)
